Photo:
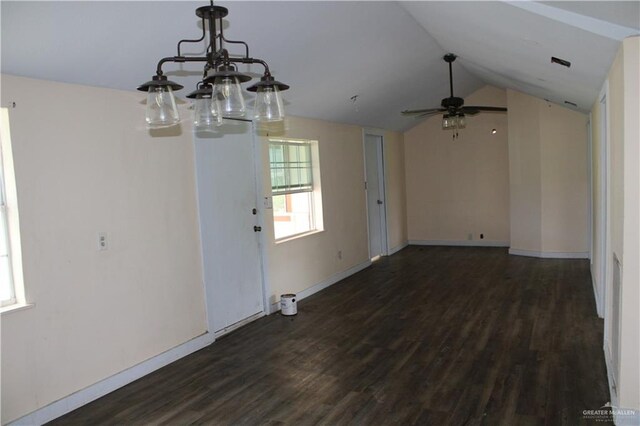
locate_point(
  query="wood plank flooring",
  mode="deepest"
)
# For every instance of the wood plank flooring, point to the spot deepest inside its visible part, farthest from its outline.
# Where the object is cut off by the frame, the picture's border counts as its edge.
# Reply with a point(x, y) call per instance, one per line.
point(429, 336)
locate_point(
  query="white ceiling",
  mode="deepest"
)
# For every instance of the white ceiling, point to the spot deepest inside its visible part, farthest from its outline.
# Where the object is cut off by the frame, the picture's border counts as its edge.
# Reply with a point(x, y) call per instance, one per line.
point(387, 53)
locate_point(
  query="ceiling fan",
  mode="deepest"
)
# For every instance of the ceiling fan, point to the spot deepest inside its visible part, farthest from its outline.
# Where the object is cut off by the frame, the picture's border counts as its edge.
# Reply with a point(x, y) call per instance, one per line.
point(453, 110)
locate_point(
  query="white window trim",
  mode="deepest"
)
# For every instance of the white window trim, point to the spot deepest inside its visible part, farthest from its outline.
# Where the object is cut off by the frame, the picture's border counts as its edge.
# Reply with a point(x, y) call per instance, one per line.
point(316, 192)
point(12, 217)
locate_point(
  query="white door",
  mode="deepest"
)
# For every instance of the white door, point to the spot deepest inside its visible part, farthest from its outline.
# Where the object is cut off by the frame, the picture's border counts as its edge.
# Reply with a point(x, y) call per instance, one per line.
point(375, 195)
point(226, 179)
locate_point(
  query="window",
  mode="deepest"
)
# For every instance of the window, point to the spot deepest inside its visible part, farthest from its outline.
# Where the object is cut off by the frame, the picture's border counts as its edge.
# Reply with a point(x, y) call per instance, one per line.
point(7, 293)
point(11, 290)
point(295, 187)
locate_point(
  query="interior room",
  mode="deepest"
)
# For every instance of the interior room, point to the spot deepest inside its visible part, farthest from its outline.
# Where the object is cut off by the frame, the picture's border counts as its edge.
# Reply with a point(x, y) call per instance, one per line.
point(319, 212)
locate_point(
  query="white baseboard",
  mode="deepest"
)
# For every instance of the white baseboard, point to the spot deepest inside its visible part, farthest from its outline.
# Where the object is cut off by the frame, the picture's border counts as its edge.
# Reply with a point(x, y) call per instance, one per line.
point(326, 283)
point(118, 380)
point(398, 248)
point(461, 243)
point(550, 254)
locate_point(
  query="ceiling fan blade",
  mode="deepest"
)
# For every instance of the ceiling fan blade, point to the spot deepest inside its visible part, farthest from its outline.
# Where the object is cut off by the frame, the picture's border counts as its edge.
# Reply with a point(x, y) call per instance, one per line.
point(428, 114)
point(423, 111)
point(483, 108)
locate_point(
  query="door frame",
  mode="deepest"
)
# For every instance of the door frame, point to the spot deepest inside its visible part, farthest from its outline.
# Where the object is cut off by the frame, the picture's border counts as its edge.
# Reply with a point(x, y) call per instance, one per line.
point(382, 184)
point(258, 158)
point(590, 206)
point(604, 225)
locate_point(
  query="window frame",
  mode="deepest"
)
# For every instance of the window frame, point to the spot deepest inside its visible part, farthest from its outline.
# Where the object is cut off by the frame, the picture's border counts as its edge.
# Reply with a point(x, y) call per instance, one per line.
point(7, 236)
point(11, 217)
point(315, 192)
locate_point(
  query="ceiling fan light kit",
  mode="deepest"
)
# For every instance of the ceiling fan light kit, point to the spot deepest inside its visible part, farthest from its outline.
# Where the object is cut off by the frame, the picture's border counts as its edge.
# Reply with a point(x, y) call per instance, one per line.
point(450, 122)
point(219, 94)
point(453, 109)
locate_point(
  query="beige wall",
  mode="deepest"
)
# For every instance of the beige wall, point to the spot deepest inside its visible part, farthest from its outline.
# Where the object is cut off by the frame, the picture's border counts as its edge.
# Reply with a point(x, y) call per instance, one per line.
point(630, 312)
point(624, 184)
point(85, 164)
point(396, 197)
point(565, 182)
point(459, 187)
point(548, 151)
point(525, 172)
point(298, 264)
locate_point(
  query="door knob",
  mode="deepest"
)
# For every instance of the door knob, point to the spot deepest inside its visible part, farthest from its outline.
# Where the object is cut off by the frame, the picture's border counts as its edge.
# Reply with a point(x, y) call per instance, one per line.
point(257, 228)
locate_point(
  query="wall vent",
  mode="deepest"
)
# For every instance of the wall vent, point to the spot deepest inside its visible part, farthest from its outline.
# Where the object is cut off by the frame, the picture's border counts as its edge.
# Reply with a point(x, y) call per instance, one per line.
point(560, 61)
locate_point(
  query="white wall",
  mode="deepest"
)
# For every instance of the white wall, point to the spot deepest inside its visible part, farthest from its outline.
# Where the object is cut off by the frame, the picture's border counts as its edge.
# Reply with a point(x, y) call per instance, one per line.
point(549, 180)
point(85, 164)
point(459, 187)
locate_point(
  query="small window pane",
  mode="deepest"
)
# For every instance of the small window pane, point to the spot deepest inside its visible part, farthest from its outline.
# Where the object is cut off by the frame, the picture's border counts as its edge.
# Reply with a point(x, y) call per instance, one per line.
point(6, 290)
point(292, 165)
point(292, 214)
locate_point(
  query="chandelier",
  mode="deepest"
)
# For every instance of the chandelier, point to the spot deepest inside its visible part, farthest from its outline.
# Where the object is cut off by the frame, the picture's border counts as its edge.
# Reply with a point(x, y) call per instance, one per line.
point(218, 95)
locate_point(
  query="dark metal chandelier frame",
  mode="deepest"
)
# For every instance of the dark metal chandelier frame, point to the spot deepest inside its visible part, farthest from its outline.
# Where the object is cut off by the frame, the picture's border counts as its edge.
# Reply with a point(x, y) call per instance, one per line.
point(218, 64)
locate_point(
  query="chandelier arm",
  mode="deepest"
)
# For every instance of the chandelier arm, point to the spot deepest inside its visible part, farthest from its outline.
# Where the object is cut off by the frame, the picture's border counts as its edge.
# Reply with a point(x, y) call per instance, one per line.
point(246, 46)
point(252, 61)
point(179, 59)
point(193, 41)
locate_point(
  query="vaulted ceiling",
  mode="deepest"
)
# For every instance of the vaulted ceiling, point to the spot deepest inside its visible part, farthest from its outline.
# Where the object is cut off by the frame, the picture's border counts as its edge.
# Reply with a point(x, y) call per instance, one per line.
point(388, 54)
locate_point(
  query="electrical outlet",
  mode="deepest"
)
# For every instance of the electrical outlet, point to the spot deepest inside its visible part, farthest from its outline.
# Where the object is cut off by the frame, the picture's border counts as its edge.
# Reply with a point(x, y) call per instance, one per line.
point(482, 236)
point(102, 241)
point(470, 236)
point(340, 254)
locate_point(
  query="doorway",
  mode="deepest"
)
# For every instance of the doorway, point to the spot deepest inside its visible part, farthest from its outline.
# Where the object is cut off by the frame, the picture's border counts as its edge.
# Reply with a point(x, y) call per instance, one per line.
point(226, 174)
point(375, 190)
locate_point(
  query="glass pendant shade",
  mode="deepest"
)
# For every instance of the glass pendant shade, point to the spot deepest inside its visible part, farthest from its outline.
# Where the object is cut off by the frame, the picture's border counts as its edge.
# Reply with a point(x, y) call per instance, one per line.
point(461, 121)
point(161, 107)
point(268, 106)
point(447, 122)
point(228, 92)
point(206, 114)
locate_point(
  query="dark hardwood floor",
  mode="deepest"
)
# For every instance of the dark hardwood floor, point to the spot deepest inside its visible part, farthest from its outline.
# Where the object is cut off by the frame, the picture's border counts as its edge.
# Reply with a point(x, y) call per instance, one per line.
point(429, 336)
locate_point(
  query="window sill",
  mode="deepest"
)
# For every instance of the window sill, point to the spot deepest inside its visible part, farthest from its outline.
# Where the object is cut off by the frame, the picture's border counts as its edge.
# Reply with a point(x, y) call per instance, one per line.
point(298, 236)
point(16, 307)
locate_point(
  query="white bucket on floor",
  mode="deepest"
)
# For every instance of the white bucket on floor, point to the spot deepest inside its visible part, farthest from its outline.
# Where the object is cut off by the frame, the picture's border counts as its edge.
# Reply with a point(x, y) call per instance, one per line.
point(288, 305)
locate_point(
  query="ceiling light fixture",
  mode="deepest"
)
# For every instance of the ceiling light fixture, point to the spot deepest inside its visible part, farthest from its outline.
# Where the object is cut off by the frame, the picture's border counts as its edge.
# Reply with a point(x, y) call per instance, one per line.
point(219, 94)
point(454, 121)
